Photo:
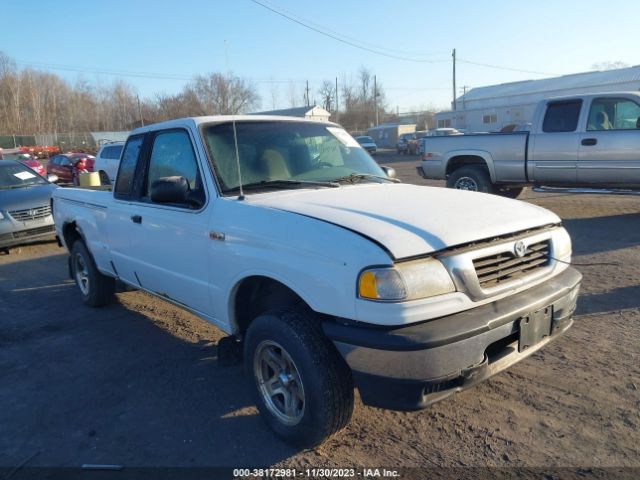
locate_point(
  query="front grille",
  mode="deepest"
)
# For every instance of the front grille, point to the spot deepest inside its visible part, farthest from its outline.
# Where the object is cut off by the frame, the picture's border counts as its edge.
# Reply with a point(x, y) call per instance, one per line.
point(31, 213)
point(505, 266)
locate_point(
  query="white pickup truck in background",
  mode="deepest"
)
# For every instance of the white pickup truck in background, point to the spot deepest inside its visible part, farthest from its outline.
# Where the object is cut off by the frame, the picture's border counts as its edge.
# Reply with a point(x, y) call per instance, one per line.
point(324, 271)
point(578, 141)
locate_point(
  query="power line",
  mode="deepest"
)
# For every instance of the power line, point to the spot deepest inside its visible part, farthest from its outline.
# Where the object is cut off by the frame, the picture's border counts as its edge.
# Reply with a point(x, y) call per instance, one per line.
point(125, 73)
point(506, 68)
point(361, 42)
point(343, 40)
point(121, 73)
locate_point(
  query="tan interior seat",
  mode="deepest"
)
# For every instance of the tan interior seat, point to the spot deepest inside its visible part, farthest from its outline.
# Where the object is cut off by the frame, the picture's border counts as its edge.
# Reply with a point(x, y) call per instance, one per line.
point(275, 165)
point(602, 121)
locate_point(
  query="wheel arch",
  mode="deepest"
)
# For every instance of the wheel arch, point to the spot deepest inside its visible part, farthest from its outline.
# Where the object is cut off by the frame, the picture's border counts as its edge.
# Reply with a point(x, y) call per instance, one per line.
point(257, 293)
point(71, 233)
point(465, 158)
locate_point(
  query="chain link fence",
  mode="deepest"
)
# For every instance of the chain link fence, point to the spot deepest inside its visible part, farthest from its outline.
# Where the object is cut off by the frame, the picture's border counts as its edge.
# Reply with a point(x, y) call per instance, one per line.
point(64, 141)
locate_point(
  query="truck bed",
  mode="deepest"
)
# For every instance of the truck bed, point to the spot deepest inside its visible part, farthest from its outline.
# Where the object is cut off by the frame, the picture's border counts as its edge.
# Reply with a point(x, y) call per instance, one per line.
point(508, 151)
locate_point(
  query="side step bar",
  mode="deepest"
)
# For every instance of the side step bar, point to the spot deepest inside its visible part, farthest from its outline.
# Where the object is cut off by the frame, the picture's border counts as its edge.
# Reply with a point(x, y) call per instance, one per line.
point(606, 191)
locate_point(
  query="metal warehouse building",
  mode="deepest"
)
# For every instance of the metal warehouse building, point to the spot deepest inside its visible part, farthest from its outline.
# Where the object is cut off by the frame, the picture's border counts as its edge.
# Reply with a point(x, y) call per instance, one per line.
point(312, 113)
point(491, 108)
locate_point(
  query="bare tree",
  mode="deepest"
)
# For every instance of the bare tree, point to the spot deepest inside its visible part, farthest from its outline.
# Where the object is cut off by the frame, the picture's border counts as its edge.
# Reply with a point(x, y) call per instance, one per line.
point(609, 65)
point(327, 93)
point(220, 94)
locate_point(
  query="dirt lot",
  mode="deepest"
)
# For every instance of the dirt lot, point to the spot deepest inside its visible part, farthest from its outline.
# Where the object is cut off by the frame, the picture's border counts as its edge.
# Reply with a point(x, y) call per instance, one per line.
point(138, 384)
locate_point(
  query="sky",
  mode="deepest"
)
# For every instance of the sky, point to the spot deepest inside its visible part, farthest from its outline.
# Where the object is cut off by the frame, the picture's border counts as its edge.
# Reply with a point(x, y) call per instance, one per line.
point(157, 46)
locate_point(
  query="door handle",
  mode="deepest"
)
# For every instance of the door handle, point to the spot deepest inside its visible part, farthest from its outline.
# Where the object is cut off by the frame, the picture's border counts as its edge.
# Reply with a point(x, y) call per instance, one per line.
point(589, 142)
point(136, 218)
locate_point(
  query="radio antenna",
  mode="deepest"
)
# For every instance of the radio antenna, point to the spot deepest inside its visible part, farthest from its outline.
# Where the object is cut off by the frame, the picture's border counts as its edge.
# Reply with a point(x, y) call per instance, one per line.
point(235, 141)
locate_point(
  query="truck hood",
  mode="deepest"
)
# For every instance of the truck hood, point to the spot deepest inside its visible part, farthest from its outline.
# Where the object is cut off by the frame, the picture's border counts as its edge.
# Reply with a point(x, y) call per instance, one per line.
point(412, 220)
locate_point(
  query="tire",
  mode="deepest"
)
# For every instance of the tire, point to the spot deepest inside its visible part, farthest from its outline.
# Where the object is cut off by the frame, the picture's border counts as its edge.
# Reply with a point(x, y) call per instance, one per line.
point(510, 192)
point(472, 178)
point(104, 178)
point(319, 384)
point(96, 289)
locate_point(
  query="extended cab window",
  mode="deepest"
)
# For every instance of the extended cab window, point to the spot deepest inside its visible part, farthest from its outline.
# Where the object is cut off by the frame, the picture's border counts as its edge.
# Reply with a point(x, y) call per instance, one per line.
point(172, 156)
point(562, 116)
point(127, 169)
point(613, 114)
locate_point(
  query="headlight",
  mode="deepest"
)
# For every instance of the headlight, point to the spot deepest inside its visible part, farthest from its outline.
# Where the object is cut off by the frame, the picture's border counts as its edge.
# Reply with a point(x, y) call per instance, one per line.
point(562, 245)
point(405, 281)
point(1, 216)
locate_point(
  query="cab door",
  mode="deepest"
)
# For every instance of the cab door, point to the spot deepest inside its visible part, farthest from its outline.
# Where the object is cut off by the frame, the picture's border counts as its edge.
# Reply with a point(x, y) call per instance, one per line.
point(121, 228)
point(169, 241)
point(554, 149)
point(609, 152)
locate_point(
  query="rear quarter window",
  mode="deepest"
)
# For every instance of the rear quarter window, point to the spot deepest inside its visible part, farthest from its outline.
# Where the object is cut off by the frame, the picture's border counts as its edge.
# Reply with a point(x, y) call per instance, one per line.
point(562, 116)
point(127, 169)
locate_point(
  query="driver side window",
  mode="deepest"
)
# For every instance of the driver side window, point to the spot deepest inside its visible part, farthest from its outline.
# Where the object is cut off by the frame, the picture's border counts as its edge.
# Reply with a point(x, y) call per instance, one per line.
point(172, 155)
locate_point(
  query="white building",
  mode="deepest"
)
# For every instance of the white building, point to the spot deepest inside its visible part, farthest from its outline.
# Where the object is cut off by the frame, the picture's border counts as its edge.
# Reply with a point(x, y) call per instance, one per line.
point(312, 113)
point(493, 107)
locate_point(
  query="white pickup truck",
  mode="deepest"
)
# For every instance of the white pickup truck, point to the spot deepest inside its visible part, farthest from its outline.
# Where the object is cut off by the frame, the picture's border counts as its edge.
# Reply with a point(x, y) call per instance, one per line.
point(325, 272)
point(588, 141)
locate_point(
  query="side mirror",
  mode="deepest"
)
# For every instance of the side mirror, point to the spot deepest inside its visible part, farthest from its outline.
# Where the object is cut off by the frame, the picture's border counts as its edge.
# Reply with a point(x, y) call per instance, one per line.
point(169, 190)
point(389, 171)
point(52, 178)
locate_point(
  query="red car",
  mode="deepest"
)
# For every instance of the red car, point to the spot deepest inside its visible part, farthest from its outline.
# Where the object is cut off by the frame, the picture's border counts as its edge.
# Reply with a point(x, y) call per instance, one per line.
point(68, 166)
point(26, 159)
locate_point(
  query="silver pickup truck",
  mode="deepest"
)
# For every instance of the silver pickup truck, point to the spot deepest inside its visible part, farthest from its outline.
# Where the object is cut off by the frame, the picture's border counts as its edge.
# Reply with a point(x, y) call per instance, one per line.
point(578, 141)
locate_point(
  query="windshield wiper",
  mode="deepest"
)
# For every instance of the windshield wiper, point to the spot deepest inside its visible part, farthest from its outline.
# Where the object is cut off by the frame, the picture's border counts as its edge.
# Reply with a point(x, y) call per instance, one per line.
point(282, 184)
point(356, 177)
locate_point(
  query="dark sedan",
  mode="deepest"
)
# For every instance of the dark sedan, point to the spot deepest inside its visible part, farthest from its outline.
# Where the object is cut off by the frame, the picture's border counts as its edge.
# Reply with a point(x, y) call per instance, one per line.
point(25, 205)
point(68, 166)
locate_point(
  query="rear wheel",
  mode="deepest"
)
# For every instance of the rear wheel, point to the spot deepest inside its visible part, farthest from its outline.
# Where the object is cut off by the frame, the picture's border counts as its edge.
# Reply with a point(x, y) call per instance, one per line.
point(473, 178)
point(96, 289)
point(303, 387)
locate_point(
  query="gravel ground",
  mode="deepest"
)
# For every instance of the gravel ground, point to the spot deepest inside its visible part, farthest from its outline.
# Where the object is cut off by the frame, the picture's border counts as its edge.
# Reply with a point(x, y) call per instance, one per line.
point(138, 384)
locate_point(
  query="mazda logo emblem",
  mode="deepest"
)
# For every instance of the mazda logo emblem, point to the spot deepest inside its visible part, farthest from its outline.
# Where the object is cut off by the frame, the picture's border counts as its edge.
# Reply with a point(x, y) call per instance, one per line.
point(519, 249)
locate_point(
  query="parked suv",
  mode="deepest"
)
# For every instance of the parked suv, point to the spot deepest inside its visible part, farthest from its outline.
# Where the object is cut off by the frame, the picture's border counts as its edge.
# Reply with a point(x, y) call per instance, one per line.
point(107, 161)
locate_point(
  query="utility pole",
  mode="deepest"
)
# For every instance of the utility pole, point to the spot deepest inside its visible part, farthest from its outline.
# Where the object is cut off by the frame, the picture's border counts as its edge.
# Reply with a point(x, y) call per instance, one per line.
point(375, 96)
point(337, 104)
point(454, 79)
point(464, 94)
point(140, 111)
point(307, 93)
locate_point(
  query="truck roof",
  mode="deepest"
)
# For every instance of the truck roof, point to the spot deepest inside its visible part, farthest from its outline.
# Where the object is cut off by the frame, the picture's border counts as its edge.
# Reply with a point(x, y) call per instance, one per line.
point(196, 121)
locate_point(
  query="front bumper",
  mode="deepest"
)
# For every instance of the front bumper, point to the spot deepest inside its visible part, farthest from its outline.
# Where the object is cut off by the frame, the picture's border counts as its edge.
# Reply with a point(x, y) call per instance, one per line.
point(414, 366)
point(16, 233)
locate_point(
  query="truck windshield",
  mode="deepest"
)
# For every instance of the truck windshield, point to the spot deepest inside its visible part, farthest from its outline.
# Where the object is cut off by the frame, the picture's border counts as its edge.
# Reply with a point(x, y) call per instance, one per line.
point(301, 151)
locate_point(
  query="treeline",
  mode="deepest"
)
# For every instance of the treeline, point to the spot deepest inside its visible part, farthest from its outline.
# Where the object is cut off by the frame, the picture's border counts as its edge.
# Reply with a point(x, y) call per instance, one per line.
point(34, 101)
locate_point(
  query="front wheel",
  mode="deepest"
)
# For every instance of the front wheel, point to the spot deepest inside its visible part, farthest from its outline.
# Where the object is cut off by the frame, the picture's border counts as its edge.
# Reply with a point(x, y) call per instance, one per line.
point(303, 387)
point(96, 289)
point(471, 178)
